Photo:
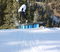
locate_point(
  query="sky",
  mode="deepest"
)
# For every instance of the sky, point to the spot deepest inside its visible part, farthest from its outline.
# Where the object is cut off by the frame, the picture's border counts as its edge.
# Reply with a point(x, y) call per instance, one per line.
point(30, 40)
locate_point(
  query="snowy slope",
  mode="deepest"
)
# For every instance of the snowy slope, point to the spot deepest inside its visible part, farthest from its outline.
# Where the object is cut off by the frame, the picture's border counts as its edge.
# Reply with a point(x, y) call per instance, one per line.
point(30, 40)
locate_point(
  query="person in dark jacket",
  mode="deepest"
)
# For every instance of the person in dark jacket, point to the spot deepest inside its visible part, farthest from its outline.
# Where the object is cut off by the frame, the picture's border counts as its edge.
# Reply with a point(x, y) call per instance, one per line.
point(22, 11)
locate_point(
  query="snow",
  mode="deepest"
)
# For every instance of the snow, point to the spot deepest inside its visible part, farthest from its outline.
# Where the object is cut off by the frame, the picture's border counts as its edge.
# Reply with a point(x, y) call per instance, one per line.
point(30, 40)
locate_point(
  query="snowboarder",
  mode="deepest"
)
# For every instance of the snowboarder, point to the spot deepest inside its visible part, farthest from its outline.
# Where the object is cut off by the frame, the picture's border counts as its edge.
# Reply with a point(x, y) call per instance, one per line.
point(22, 11)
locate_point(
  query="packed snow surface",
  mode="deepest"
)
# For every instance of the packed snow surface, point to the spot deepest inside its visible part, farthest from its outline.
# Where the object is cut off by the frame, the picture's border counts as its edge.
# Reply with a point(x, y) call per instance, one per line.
point(30, 40)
